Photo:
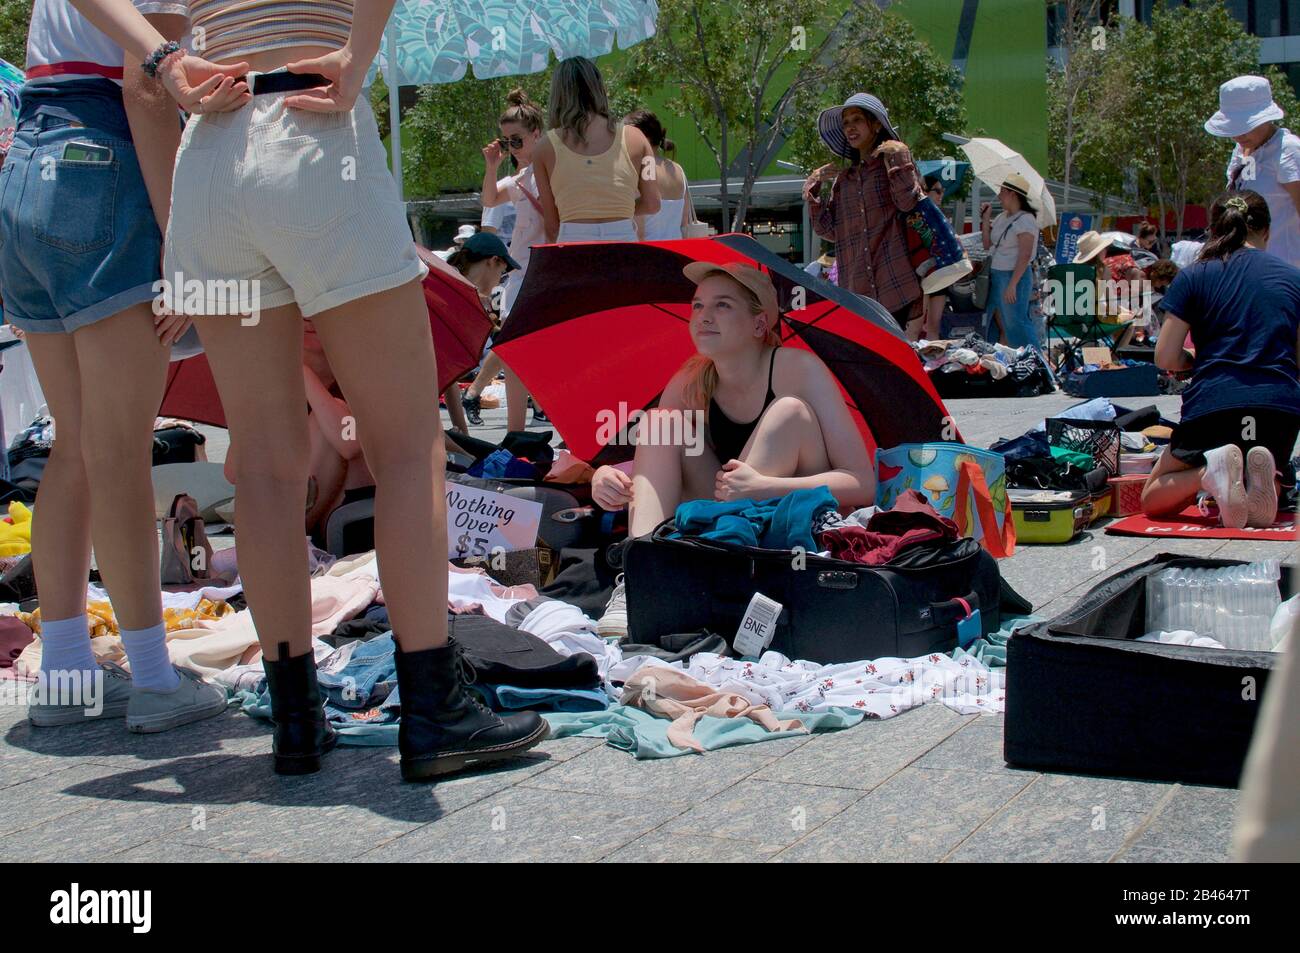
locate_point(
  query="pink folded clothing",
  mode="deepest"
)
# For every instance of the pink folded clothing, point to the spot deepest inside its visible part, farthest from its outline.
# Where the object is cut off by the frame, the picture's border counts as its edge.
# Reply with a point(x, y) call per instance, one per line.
point(673, 694)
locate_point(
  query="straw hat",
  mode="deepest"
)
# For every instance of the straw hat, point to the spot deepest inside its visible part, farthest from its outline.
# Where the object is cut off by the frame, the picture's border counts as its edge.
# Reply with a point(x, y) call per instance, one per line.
point(749, 276)
point(1091, 244)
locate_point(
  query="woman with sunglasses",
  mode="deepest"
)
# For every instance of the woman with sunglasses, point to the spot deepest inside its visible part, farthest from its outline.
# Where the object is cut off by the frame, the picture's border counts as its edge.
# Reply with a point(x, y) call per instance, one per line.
point(292, 194)
point(935, 303)
point(521, 126)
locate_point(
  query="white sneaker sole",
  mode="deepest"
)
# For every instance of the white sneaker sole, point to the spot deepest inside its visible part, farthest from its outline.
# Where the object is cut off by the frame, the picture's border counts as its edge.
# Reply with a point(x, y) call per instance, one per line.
point(1261, 492)
point(166, 720)
point(1232, 505)
point(612, 630)
point(47, 716)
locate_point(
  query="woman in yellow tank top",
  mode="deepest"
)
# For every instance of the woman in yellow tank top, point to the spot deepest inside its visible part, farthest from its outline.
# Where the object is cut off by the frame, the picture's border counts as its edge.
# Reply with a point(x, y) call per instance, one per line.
point(593, 175)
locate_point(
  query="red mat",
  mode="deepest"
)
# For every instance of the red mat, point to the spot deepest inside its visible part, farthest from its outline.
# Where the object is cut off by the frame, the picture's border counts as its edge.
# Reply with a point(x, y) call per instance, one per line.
point(1190, 524)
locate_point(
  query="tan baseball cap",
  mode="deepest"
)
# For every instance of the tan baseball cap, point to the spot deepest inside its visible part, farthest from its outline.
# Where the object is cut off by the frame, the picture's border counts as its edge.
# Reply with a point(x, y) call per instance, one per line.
point(749, 276)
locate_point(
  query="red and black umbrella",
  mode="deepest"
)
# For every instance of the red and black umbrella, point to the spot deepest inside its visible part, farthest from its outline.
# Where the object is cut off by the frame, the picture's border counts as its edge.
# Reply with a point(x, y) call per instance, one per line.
point(597, 325)
point(457, 319)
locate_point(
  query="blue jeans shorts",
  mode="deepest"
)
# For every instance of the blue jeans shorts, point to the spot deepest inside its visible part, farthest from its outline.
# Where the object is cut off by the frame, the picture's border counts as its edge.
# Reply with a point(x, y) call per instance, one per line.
point(78, 240)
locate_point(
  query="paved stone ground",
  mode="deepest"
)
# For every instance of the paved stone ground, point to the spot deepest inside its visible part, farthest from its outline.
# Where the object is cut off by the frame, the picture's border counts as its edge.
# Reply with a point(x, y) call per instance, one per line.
point(928, 785)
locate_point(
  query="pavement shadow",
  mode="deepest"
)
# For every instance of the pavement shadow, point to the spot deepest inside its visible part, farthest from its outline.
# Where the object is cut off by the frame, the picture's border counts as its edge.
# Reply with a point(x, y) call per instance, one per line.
point(109, 738)
point(351, 777)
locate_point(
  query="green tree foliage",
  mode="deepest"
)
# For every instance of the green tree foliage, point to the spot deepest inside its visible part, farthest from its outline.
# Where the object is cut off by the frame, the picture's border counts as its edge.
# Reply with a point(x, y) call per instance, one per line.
point(921, 91)
point(1145, 113)
point(751, 73)
point(450, 124)
point(14, 17)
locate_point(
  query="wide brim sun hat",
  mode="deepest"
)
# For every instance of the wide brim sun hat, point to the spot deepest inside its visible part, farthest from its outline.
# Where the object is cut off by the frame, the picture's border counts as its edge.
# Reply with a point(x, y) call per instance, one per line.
point(830, 122)
point(1091, 244)
point(1245, 103)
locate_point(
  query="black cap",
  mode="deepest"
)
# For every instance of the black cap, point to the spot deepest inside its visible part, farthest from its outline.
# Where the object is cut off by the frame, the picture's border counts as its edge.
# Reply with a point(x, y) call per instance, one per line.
point(488, 245)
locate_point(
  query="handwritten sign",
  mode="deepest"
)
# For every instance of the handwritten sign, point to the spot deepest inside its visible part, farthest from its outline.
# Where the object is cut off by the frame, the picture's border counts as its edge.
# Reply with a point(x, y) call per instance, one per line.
point(479, 521)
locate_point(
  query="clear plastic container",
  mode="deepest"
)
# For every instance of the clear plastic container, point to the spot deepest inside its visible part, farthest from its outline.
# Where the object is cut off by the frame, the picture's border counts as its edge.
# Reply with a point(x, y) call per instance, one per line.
point(1234, 605)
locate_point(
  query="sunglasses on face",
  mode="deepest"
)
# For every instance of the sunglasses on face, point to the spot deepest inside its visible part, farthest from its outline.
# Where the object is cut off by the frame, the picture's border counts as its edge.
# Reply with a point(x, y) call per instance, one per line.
point(511, 142)
point(936, 191)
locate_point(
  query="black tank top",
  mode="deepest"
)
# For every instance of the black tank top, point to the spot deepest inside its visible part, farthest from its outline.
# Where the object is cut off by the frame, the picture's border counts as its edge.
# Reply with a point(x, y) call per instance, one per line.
point(727, 437)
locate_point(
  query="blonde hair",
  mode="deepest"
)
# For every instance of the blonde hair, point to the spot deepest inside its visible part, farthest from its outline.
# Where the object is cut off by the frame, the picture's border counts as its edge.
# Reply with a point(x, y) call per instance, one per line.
point(701, 373)
point(522, 110)
point(576, 92)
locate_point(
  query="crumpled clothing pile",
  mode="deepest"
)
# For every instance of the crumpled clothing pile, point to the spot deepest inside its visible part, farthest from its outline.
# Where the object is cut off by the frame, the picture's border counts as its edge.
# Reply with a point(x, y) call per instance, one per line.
point(971, 354)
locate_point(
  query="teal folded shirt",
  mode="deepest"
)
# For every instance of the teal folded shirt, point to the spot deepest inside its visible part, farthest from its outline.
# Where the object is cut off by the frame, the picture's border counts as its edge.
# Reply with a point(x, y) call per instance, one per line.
point(782, 522)
point(645, 736)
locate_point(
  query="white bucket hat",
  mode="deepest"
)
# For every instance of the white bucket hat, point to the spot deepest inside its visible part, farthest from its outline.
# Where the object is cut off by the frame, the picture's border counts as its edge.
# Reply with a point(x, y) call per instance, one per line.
point(1245, 102)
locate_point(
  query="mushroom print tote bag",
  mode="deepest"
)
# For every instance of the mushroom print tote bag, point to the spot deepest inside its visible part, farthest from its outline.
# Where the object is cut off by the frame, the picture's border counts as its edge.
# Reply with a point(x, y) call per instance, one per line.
point(965, 484)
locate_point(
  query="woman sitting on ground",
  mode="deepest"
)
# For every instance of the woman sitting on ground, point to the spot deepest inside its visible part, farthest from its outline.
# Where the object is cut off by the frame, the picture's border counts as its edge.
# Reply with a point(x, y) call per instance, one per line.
point(797, 432)
point(1241, 412)
point(483, 260)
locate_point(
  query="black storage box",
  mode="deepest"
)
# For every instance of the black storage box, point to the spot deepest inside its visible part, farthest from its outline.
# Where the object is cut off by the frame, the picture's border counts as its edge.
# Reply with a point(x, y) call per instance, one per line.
point(833, 610)
point(1140, 381)
point(1084, 696)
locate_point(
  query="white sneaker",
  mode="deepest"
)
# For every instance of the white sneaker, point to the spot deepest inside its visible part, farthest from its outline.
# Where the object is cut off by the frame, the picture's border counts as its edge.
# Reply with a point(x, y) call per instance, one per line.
point(192, 700)
point(613, 624)
point(58, 701)
point(1225, 481)
point(1261, 487)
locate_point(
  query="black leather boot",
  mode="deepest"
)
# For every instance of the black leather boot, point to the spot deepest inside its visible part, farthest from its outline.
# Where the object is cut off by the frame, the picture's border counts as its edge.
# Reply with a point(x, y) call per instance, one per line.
point(445, 727)
point(302, 734)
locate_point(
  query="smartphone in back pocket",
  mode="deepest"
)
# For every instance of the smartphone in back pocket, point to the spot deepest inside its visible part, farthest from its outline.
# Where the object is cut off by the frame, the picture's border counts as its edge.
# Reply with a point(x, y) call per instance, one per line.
point(86, 152)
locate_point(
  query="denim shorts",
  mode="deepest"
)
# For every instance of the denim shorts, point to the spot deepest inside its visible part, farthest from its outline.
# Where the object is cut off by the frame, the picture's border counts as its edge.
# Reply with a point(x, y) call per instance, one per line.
point(78, 240)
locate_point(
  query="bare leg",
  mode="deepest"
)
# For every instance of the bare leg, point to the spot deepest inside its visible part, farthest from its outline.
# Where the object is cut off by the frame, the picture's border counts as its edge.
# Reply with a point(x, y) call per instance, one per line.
point(1172, 486)
point(455, 409)
point(516, 402)
point(258, 370)
point(788, 441)
point(934, 316)
point(665, 476)
point(117, 447)
point(401, 434)
point(487, 374)
point(61, 537)
point(330, 472)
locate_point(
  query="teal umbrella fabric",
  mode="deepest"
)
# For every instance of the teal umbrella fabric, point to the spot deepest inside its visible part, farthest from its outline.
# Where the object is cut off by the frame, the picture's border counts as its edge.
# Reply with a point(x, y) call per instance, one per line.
point(11, 79)
point(437, 41)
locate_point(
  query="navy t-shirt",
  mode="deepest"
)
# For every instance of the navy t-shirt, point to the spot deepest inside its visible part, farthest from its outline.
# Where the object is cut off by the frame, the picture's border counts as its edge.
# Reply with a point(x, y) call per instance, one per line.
point(1244, 312)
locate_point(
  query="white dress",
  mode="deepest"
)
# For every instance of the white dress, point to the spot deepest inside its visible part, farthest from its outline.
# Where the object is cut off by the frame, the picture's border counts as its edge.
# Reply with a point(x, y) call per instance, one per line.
point(665, 224)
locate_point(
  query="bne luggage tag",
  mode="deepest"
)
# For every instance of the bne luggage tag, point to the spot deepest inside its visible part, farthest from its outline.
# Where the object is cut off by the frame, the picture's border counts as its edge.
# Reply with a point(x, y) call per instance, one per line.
point(758, 627)
point(968, 629)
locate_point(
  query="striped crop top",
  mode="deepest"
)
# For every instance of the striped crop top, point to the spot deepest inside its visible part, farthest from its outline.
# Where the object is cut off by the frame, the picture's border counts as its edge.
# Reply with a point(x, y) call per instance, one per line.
point(228, 29)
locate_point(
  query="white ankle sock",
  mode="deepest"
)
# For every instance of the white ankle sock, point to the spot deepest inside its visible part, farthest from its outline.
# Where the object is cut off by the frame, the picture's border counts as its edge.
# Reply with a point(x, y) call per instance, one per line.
point(151, 666)
point(65, 645)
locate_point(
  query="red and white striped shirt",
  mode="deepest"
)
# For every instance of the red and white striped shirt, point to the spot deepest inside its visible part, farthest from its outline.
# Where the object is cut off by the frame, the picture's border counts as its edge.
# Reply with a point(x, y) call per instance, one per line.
point(63, 45)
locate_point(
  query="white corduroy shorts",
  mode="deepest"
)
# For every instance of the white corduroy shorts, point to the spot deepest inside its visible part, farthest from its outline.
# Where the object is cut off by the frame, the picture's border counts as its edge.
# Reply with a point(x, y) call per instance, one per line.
point(300, 205)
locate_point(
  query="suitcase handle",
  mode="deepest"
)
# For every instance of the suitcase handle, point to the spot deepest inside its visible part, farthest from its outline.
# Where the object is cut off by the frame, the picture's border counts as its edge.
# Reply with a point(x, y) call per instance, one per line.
point(952, 611)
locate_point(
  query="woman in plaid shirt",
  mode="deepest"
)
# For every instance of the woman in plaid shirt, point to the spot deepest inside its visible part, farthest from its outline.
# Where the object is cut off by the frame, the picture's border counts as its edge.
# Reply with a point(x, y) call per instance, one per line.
point(862, 214)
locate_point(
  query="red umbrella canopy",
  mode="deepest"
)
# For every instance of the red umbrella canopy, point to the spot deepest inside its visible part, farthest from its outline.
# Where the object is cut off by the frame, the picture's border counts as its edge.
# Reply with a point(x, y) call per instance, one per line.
point(457, 319)
point(598, 329)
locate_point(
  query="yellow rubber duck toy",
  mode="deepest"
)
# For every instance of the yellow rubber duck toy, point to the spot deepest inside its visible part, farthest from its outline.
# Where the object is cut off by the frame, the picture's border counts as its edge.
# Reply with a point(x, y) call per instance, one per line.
point(16, 531)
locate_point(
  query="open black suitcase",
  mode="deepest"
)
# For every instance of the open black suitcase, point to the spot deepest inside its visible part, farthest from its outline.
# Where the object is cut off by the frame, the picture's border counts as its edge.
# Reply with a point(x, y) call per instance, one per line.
point(833, 610)
point(1084, 696)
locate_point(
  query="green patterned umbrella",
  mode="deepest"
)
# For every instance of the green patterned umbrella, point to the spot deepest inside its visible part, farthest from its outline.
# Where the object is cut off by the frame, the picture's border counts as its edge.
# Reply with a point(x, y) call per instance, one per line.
point(436, 41)
point(11, 79)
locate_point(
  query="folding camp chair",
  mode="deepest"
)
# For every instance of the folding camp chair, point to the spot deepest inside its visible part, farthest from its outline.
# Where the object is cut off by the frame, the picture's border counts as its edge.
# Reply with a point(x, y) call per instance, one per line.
point(1072, 300)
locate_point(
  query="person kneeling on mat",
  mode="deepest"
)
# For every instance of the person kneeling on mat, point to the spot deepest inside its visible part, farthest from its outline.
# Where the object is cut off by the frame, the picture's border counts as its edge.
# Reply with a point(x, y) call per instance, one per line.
point(1241, 412)
point(798, 433)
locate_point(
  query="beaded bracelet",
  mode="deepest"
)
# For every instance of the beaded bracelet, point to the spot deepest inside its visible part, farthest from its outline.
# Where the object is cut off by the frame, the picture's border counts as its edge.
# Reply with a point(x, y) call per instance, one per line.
point(156, 58)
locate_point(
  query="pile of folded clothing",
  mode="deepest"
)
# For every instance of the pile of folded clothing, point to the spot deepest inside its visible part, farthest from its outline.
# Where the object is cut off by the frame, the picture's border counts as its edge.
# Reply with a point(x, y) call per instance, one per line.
point(953, 365)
